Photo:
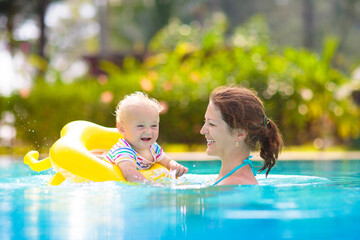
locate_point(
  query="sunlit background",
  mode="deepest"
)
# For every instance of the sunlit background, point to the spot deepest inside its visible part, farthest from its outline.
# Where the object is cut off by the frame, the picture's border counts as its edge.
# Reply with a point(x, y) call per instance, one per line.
point(67, 60)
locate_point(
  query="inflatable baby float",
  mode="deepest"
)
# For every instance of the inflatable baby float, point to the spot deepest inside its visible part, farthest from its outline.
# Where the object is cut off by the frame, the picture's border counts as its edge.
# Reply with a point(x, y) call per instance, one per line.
point(71, 157)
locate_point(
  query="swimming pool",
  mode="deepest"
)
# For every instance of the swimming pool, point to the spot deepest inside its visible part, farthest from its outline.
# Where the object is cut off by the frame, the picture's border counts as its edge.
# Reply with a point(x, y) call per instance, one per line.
point(299, 200)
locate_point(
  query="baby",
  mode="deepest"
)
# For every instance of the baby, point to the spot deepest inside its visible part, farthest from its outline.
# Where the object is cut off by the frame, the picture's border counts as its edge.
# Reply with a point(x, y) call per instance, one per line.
point(137, 119)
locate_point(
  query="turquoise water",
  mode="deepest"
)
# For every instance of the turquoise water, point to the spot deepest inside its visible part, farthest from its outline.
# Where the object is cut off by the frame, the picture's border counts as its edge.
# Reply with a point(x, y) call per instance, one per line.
point(299, 200)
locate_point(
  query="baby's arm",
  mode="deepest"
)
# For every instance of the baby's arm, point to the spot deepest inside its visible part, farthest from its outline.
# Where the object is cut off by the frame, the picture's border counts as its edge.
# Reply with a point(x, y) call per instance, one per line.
point(129, 171)
point(173, 165)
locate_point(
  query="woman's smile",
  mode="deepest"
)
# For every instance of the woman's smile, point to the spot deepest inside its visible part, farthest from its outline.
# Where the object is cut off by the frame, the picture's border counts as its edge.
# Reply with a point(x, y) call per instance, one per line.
point(210, 142)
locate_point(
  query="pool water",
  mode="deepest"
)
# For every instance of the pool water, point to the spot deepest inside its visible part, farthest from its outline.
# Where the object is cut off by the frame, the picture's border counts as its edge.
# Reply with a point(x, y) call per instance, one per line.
point(298, 200)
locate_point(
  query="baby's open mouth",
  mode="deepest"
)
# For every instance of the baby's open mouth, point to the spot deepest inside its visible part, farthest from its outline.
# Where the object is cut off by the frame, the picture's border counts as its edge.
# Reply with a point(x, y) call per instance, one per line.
point(145, 139)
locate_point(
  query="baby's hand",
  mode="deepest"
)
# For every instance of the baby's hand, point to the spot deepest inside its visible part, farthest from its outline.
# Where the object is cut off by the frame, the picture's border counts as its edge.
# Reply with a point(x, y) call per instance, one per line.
point(180, 169)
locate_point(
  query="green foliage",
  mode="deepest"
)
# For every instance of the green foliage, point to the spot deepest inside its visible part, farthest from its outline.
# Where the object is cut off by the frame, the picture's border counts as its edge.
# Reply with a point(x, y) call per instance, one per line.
point(302, 92)
point(41, 115)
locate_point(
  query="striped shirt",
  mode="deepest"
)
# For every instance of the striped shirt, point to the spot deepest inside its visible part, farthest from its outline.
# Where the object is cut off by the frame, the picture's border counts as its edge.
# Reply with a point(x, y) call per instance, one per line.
point(123, 151)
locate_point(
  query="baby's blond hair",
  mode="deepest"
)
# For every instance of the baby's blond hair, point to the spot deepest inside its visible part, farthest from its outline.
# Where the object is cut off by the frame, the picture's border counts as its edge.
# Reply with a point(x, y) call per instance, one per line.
point(136, 98)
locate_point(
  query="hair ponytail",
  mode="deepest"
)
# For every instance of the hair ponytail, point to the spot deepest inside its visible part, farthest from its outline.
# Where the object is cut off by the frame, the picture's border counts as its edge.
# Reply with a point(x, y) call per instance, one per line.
point(270, 146)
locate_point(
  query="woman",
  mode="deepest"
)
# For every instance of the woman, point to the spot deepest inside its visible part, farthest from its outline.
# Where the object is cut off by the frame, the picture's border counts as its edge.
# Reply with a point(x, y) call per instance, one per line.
point(234, 123)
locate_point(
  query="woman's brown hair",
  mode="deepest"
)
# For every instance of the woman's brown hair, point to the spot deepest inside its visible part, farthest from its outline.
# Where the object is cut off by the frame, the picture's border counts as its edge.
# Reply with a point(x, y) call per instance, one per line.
point(241, 108)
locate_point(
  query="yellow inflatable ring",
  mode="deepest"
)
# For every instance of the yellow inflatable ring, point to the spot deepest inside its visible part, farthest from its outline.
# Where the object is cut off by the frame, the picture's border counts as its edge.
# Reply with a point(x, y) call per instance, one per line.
point(71, 158)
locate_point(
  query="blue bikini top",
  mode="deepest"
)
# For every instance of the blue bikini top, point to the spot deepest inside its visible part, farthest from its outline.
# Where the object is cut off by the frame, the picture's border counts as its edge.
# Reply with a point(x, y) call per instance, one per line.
point(246, 161)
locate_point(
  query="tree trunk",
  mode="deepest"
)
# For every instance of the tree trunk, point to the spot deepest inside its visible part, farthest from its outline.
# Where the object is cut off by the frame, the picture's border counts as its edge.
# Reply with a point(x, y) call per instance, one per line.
point(43, 4)
point(10, 26)
point(308, 23)
point(102, 8)
point(347, 21)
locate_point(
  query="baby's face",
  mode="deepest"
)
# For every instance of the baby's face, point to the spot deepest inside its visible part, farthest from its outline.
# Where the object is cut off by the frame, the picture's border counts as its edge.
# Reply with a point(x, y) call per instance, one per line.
point(140, 126)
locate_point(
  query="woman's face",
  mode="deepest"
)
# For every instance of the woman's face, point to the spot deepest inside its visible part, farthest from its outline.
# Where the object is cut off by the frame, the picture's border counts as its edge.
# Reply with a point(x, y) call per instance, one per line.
point(216, 131)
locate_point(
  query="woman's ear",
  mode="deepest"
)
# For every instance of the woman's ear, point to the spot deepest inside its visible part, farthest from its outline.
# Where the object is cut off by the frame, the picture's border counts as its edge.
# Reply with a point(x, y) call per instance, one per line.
point(241, 134)
point(120, 127)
